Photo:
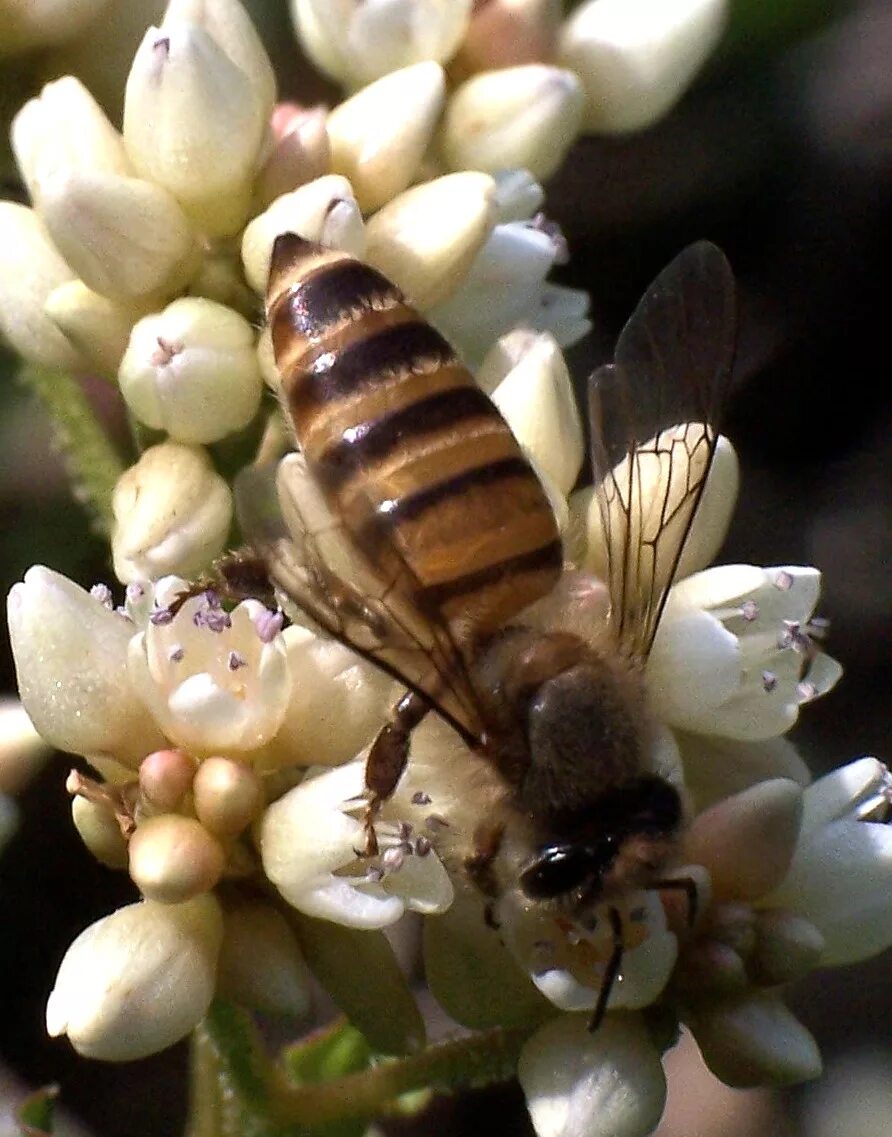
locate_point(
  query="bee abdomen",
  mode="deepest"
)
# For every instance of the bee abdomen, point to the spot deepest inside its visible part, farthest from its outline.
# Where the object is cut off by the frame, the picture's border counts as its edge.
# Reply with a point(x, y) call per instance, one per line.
point(413, 457)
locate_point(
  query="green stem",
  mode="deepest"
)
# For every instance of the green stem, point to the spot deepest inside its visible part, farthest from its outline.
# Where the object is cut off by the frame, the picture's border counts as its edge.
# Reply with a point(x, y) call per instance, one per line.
point(204, 1086)
point(93, 464)
point(476, 1060)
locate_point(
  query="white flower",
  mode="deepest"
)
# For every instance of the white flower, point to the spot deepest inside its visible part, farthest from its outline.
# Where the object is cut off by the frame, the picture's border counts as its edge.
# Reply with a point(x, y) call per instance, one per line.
point(309, 842)
point(138, 980)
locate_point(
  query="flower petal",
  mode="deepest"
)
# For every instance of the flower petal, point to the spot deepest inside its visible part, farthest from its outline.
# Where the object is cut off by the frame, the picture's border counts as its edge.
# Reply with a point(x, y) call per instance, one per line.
point(715, 768)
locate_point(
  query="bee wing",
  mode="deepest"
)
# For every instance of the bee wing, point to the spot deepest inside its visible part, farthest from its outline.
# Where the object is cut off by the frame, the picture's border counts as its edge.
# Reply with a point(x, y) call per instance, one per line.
point(312, 560)
point(654, 419)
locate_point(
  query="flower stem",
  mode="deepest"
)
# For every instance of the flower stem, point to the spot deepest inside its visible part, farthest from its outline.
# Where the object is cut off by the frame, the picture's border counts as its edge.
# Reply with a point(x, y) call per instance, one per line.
point(93, 464)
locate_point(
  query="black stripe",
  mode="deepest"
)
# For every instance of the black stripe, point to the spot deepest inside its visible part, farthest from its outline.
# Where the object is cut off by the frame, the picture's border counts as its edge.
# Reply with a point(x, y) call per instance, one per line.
point(550, 556)
point(375, 440)
point(363, 365)
point(412, 506)
point(323, 297)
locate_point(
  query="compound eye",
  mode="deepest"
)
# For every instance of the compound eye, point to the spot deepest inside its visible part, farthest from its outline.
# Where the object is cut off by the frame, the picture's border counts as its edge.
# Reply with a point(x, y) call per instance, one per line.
point(558, 869)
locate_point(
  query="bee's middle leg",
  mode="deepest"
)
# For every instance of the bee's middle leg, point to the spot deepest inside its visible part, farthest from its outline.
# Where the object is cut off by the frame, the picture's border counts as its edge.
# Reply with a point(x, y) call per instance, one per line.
point(388, 758)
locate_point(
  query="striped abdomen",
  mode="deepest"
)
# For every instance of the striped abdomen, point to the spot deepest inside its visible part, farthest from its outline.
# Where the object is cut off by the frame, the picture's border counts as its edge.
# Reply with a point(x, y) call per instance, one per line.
point(413, 458)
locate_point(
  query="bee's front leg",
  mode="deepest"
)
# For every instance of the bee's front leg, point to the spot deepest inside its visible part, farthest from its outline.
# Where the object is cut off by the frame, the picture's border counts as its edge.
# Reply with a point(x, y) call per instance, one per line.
point(387, 759)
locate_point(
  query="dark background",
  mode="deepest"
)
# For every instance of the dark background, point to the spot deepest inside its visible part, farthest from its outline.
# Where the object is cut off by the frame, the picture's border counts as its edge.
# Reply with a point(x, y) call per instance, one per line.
point(782, 154)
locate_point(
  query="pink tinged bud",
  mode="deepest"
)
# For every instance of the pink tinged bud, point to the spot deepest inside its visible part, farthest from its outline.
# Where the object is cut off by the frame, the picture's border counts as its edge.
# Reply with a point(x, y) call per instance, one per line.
point(138, 980)
point(504, 33)
point(747, 841)
point(300, 153)
point(164, 778)
point(174, 858)
point(194, 123)
point(228, 796)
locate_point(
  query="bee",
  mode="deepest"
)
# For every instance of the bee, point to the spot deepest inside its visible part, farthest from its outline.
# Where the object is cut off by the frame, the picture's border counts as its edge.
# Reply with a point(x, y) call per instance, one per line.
point(410, 526)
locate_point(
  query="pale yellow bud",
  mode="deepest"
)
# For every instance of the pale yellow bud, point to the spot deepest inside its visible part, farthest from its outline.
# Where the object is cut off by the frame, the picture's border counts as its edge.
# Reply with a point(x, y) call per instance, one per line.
point(174, 858)
point(505, 33)
point(324, 210)
point(379, 136)
point(192, 370)
point(261, 965)
point(300, 152)
point(172, 514)
point(266, 359)
point(125, 238)
point(228, 24)
point(228, 796)
point(165, 776)
point(30, 269)
point(100, 832)
point(636, 57)
point(64, 128)
point(194, 123)
point(29, 24)
point(521, 116)
point(425, 239)
point(94, 324)
point(137, 980)
point(23, 752)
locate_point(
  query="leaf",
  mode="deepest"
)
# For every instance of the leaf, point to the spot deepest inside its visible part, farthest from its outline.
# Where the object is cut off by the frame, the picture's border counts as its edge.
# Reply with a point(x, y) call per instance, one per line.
point(35, 1114)
point(328, 1053)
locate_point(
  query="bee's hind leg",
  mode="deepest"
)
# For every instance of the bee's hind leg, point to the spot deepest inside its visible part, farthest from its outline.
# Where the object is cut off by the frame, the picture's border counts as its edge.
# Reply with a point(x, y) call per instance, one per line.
point(387, 759)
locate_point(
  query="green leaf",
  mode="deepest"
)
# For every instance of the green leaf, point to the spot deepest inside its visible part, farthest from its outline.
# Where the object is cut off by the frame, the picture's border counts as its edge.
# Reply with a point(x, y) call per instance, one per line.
point(93, 464)
point(35, 1115)
point(360, 972)
point(327, 1053)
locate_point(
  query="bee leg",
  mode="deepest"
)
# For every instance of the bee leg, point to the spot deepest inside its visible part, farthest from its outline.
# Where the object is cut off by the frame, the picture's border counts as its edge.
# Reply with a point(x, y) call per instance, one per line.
point(613, 966)
point(479, 865)
point(685, 884)
point(387, 759)
point(237, 576)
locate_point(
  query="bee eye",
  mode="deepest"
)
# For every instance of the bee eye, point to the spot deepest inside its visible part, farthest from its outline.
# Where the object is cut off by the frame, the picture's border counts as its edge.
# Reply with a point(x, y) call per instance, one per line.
point(558, 869)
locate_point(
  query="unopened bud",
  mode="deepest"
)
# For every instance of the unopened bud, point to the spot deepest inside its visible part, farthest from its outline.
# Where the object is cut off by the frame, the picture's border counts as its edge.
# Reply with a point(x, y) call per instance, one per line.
point(172, 514)
point(521, 116)
point(506, 33)
point(64, 128)
point(106, 995)
point(192, 370)
point(31, 268)
point(787, 947)
point(174, 858)
point(125, 237)
point(193, 123)
point(228, 796)
point(379, 136)
point(358, 43)
point(536, 398)
point(709, 970)
point(165, 776)
point(260, 963)
point(300, 152)
point(426, 239)
point(324, 210)
point(636, 57)
point(100, 832)
point(97, 326)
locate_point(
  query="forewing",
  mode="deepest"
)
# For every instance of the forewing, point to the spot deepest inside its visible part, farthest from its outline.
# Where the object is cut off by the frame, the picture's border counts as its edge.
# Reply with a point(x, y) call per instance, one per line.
point(317, 568)
point(655, 418)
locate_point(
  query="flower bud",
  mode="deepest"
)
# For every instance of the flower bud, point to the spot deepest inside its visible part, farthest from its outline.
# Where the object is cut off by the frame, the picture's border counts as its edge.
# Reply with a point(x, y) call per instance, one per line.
point(40, 23)
point(356, 43)
point(379, 136)
point(636, 57)
point(192, 370)
point(426, 239)
point(125, 237)
point(174, 858)
point(299, 155)
point(137, 980)
point(97, 326)
point(23, 752)
point(193, 123)
point(261, 965)
point(172, 514)
point(787, 948)
point(505, 33)
point(100, 832)
point(30, 269)
point(230, 27)
point(64, 128)
point(324, 210)
point(165, 776)
point(536, 398)
point(228, 796)
point(520, 116)
point(518, 195)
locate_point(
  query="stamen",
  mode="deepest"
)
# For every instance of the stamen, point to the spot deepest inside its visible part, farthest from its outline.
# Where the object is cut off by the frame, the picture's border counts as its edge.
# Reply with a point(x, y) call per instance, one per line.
point(769, 681)
point(421, 798)
point(750, 611)
point(783, 581)
point(423, 846)
point(103, 594)
point(392, 860)
point(176, 653)
point(268, 624)
point(235, 661)
point(160, 617)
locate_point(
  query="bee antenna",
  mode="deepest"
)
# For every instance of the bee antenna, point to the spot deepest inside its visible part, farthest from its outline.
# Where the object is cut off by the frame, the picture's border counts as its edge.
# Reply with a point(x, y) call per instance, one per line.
point(613, 966)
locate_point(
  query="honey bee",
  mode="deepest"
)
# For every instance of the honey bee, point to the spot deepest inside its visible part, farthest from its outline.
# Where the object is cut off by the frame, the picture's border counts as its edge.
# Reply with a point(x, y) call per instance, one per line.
point(411, 526)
